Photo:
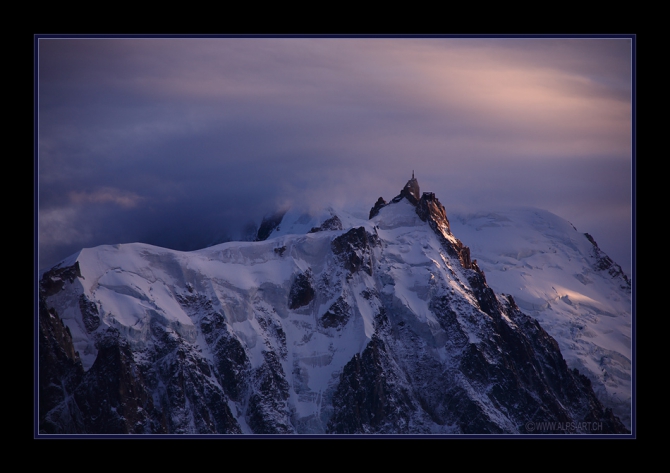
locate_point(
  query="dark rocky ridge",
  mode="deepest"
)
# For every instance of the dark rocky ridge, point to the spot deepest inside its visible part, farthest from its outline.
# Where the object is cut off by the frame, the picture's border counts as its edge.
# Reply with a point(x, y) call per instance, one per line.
point(429, 209)
point(374, 211)
point(354, 249)
point(605, 263)
point(269, 223)
point(57, 277)
point(390, 389)
point(60, 372)
point(302, 292)
point(333, 223)
point(337, 315)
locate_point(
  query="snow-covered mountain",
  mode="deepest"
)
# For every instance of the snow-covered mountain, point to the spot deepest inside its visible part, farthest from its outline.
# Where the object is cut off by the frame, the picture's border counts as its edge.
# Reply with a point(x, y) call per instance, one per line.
point(561, 278)
point(329, 323)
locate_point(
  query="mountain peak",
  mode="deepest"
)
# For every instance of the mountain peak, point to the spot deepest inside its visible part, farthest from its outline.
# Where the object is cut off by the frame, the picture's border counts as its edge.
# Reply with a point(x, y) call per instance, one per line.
point(411, 191)
point(340, 325)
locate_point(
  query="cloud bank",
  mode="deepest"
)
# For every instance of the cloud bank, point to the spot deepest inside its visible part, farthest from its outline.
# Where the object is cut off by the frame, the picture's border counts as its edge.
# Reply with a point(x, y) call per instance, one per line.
point(183, 142)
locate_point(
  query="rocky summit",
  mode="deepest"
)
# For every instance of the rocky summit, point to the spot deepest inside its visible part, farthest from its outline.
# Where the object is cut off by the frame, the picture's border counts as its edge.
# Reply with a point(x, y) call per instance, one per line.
point(324, 325)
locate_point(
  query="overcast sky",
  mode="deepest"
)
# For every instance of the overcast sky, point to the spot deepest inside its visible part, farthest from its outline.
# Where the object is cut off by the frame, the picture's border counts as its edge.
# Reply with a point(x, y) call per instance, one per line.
point(182, 142)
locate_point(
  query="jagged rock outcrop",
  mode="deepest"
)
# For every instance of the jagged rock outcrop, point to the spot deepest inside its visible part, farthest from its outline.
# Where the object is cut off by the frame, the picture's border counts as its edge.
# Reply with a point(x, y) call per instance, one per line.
point(555, 276)
point(354, 249)
point(268, 411)
point(429, 209)
point(337, 315)
point(605, 263)
point(60, 373)
point(411, 192)
point(386, 389)
point(269, 223)
point(369, 397)
point(333, 223)
point(113, 395)
point(374, 211)
point(169, 384)
point(302, 292)
point(57, 278)
point(89, 314)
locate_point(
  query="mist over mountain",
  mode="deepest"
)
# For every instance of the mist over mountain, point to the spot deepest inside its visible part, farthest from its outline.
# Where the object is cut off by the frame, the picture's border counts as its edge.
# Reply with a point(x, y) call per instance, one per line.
point(332, 322)
point(181, 142)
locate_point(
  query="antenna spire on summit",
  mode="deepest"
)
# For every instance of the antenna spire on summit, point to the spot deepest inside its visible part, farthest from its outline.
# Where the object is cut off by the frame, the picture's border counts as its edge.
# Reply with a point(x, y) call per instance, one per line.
point(412, 173)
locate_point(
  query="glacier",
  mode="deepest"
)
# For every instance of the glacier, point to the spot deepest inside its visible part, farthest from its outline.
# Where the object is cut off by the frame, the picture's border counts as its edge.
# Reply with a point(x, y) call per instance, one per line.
point(561, 278)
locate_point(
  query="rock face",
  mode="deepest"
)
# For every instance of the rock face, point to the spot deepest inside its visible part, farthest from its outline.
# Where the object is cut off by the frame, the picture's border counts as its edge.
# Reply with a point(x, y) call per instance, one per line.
point(382, 327)
point(354, 250)
point(430, 210)
point(558, 276)
point(60, 373)
point(374, 211)
point(268, 224)
point(332, 223)
point(605, 263)
point(302, 292)
point(411, 191)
